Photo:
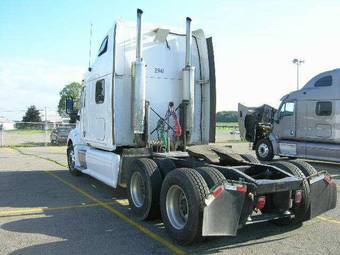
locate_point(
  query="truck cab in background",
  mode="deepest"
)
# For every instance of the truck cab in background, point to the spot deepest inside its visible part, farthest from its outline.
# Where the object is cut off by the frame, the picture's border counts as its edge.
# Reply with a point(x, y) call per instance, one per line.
point(306, 124)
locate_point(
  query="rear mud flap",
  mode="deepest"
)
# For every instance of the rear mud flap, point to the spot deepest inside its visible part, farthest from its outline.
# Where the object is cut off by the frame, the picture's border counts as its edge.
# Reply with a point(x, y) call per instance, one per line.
point(221, 216)
point(323, 195)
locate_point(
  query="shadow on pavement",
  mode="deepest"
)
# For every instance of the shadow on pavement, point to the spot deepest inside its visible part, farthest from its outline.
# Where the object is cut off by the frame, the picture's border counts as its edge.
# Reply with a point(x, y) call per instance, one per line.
point(94, 230)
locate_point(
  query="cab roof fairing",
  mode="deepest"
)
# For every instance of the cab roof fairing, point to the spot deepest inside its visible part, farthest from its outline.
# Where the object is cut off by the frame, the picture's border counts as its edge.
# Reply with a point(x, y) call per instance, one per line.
point(148, 29)
point(335, 73)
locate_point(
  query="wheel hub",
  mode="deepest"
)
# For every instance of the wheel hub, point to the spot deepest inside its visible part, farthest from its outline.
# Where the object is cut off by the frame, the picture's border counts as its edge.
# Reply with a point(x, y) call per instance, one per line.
point(263, 150)
point(177, 207)
point(137, 189)
point(72, 158)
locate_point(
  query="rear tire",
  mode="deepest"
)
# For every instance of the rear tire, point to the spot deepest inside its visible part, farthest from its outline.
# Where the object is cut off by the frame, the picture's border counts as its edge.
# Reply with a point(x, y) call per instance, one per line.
point(144, 185)
point(250, 158)
point(300, 210)
point(264, 150)
point(71, 161)
point(165, 165)
point(182, 201)
point(305, 167)
point(211, 175)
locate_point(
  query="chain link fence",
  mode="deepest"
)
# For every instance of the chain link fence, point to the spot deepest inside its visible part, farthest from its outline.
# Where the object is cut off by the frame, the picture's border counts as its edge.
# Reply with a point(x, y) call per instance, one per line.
point(227, 132)
point(32, 134)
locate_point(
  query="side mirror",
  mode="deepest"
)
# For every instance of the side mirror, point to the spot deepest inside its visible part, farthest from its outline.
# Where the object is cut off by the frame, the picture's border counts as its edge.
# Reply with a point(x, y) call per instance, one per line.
point(69, 105)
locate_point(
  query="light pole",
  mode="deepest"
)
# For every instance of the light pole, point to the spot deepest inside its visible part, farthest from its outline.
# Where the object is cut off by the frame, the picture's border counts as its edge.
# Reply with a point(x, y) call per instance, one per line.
point(297, 62)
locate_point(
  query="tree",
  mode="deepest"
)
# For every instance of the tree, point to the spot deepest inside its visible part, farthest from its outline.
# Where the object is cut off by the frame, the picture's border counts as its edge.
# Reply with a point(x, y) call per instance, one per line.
point(226, 116)
point(32, 115)
point(70, 90)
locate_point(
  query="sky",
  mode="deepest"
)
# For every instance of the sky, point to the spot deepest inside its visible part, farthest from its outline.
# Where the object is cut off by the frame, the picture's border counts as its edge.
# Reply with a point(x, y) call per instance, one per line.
point(44, 44)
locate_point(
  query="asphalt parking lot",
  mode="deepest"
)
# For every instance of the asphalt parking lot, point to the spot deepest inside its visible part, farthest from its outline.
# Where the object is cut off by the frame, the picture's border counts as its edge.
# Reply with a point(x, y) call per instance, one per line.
point(45, 210)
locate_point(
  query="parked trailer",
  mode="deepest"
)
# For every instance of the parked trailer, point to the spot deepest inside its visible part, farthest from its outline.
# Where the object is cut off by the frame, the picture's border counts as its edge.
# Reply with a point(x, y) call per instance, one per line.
point(146, 119)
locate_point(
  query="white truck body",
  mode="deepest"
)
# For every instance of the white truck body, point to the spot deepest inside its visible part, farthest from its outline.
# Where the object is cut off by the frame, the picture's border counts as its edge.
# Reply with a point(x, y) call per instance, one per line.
point(106, 113)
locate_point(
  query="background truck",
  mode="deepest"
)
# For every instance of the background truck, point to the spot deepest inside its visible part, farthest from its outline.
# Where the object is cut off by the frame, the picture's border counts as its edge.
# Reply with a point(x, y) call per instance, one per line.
point(306, 125)
point(146, 119)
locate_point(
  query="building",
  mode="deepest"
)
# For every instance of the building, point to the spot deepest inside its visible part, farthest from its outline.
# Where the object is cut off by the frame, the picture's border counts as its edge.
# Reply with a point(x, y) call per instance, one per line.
point(6, 123)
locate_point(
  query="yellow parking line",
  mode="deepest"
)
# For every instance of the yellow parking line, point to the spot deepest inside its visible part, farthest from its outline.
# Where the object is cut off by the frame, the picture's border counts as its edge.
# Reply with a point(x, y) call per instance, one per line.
point(121, 201)
point(122, 216)
point(38, 156)
point(172, 247)
point(33, 210)
point(328, 219)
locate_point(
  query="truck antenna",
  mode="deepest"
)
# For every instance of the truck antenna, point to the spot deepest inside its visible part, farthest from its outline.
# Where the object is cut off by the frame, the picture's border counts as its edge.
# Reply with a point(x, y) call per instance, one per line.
point(90, 47)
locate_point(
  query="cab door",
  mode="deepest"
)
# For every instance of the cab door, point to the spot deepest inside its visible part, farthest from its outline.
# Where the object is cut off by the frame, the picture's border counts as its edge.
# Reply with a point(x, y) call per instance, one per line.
point(99, 112)
point(285, 126)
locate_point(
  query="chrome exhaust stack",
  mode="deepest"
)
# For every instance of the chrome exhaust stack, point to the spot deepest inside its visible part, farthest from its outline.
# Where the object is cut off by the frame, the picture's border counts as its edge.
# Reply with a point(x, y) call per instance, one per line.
point(138, 73)
point(139, 35)
point(188, 42)
point(188, 85)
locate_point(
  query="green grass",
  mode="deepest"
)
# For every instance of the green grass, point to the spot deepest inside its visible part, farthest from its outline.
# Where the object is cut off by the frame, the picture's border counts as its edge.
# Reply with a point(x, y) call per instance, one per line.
point(226, 126)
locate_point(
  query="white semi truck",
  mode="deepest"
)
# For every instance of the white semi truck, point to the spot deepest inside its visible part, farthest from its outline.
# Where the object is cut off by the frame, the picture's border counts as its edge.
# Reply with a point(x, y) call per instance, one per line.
point(147, 117)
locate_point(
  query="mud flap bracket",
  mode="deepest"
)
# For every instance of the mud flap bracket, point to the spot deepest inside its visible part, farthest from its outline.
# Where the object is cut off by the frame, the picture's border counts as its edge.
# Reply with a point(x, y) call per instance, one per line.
point(221, 215)
point(323, 194)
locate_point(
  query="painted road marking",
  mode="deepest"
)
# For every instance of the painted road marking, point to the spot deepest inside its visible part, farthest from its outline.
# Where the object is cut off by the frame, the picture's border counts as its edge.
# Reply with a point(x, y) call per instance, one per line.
point(121, 201)
point(172, 247)
point(37, 210)
point(329, 219)
point(141, 228)
point(121, 215)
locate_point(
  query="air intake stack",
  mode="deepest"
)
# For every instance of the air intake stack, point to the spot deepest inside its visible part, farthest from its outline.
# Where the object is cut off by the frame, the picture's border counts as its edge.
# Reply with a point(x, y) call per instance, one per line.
point(188, 85)
point(138, 73)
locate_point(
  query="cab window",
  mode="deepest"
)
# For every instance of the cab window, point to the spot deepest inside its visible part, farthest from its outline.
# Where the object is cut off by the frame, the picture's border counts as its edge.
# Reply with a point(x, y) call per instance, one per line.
point(100, 91)
point(103, 46)
point(287, 109)
point(323, 108)
point(324, 81)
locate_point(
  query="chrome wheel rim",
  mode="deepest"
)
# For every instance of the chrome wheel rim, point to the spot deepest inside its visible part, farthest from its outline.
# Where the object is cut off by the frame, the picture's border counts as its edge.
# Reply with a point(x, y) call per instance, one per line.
point(177, 207)
point(137, 189)
point(263, 150)
point(72, 159)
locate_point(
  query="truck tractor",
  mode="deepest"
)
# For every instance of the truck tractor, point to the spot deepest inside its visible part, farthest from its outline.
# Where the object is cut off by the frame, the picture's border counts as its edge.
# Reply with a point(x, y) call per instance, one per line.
point(147, 123)
point(304, 126)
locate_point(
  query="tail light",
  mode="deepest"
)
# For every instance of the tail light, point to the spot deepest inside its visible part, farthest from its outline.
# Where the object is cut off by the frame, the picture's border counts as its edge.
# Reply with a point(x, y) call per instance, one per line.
point(218, 191)
point(298, 197)
point(261, 202)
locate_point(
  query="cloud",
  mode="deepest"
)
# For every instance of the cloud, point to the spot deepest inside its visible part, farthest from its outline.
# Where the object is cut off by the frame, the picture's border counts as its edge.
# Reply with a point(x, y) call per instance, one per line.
point(25, 82)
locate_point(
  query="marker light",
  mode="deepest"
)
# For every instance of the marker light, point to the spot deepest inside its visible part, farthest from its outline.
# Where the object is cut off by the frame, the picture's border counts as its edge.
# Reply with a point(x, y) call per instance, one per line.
point(298, 197)
point(261, 202)
point(218, 191)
